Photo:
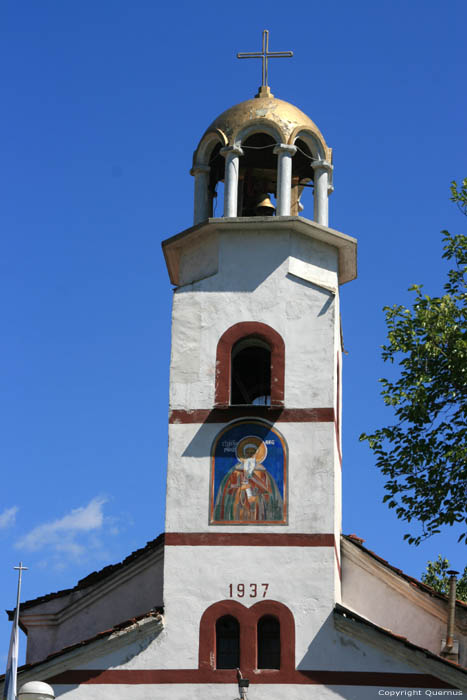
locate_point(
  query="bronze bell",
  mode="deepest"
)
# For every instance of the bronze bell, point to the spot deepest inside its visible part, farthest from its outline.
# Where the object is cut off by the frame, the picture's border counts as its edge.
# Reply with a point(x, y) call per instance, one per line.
point(264, 207)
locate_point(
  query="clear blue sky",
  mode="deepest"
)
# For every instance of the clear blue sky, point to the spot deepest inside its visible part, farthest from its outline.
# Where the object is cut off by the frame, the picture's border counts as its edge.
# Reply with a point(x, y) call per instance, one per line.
point(103, 105)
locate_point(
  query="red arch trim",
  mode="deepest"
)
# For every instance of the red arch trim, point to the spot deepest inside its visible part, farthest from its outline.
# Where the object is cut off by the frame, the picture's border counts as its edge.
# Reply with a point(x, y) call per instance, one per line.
point(248, 621)
point(224, 353)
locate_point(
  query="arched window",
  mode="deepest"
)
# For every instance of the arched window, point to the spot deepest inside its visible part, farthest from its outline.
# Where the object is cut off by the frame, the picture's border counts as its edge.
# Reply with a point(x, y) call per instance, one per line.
point(227, 642)
point(260, 637)
point(251, 372)
point(250, 366)
point(269, 642)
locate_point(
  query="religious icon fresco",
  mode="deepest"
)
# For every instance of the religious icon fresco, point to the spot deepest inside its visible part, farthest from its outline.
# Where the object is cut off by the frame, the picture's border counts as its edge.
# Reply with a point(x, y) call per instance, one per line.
point(249, 476)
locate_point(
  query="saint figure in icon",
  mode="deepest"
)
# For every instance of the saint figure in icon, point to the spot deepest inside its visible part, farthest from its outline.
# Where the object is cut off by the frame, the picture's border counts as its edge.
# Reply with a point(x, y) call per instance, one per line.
point(248, 492)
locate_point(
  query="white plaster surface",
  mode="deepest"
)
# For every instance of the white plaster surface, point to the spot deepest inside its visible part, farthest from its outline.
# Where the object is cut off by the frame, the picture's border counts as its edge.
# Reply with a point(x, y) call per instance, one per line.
point(199, 259)
point(207, 690)
point(114, 599)
point(391, 602)
point(313, 474)
point(313, 261)
point(196, 577)
point(277, 279)
point(263, 291)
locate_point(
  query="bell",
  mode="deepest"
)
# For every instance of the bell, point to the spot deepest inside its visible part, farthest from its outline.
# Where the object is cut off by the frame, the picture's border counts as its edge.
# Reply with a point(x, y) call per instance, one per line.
point(264, 207)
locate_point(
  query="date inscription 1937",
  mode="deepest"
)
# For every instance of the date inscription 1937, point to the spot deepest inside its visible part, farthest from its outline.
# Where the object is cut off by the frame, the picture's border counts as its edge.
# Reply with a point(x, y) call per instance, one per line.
point(249, 590)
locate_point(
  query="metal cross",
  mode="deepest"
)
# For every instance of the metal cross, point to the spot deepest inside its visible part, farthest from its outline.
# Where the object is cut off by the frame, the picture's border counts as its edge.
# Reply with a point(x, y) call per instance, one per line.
point(20, 570)
point(21, 567)
point(264, 55)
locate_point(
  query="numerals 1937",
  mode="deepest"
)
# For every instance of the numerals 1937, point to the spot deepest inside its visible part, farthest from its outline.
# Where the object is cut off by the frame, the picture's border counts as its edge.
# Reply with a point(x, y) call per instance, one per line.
point(250, 590)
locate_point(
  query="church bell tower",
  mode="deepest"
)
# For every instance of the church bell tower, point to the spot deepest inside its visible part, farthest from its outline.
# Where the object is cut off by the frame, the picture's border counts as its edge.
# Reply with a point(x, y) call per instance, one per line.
point(253, 517)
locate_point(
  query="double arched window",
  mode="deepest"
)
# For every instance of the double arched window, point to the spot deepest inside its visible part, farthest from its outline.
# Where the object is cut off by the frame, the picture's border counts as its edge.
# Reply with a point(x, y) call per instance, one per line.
point(250, 363)
point(261, 637)
point(268, 642)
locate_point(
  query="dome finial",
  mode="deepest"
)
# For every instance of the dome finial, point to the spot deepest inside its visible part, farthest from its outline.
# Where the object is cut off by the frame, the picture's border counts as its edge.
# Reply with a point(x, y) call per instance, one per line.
point(265, 54)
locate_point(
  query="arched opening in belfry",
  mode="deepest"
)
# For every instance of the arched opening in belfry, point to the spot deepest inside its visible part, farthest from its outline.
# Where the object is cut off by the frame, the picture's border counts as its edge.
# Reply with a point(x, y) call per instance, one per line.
point(216, 181)
point(269, 642)
point(257, 176)
point(227, 642)
point(302, 180)
point(251, 372)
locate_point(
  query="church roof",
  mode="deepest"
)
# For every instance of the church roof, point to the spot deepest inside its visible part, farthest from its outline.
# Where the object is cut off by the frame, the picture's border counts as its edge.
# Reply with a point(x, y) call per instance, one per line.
point(287, 120)
point(95, 576)
point(340, 611)
point(358, 542)
point(284, 114)
point(150, 546)
point(351, 616)
point(124, 626)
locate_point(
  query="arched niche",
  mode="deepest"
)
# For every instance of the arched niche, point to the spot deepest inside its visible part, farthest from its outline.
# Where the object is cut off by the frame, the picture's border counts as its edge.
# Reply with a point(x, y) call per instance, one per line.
point(314, 142)
point(208, 170)
point(311, 150)
point(260, 126)
point(302, 177)
point(202, 155)
point(243, 331)
point(257, 185)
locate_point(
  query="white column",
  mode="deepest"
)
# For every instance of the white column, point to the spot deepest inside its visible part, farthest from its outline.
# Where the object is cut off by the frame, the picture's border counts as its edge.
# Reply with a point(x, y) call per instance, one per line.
point(284, 177)
point(201, 209)
point(323, 170)
point(231, 155)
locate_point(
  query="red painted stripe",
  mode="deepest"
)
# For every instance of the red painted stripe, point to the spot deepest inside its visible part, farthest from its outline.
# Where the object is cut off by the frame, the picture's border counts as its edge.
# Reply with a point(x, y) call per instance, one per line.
point(153, 677)
point(280, 415)
point(248, 539)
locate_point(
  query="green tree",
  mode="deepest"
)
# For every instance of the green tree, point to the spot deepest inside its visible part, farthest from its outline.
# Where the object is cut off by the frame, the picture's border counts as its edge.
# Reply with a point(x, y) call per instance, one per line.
point(423, 454)
point(436, 576)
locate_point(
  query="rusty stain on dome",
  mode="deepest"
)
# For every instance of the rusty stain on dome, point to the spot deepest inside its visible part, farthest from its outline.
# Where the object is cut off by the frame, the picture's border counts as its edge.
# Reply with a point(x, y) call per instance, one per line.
point(288, 119)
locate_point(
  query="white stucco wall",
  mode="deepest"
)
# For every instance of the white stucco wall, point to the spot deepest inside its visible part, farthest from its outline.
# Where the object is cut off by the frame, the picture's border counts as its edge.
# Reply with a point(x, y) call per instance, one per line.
point(375, 592)
point(196, 577)
point(340, 645)
point(312, 476)
point(253, 284)
point(288, 281)
point(127, 593)
point(208, 691)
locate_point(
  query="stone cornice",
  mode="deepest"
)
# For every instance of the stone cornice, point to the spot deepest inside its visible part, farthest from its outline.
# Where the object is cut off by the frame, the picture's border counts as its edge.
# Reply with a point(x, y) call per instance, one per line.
point(346, 245)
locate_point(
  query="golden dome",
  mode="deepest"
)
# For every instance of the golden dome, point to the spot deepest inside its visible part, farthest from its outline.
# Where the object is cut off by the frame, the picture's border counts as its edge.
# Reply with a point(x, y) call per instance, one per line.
point(283, 118)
